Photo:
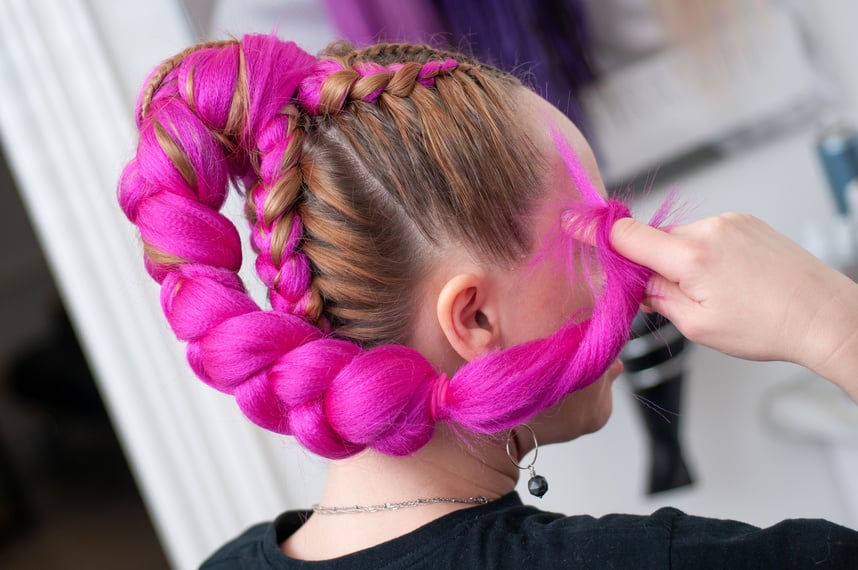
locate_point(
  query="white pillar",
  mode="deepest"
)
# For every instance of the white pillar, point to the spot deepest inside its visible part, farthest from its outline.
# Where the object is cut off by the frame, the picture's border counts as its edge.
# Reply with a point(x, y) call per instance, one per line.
point(69, 70)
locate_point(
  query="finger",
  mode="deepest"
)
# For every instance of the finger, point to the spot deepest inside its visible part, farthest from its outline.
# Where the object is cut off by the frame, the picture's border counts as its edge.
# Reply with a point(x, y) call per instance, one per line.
point(666, 298)
point(648, 246)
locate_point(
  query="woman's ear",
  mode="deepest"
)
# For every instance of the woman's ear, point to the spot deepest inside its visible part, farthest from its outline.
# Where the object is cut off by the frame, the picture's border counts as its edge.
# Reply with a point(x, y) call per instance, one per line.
point(468, 315)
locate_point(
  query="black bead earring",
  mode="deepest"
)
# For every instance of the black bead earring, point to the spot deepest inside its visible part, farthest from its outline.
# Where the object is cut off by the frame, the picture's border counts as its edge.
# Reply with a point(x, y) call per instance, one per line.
point(537, 485)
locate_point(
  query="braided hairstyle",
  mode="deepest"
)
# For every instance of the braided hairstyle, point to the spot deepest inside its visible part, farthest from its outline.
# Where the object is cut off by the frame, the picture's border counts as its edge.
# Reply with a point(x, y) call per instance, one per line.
point(357, 168)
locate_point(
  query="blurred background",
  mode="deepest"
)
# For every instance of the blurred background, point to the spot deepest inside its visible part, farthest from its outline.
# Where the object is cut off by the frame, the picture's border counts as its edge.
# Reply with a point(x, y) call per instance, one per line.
point(113, 455)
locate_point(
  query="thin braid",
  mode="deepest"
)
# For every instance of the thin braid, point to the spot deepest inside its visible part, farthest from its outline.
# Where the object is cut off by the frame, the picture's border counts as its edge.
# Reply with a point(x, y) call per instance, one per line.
point(276, 226)
point(335, 83)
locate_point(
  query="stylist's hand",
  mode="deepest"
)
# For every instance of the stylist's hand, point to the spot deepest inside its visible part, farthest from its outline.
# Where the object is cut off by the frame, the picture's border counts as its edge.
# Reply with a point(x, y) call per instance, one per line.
point(733, 283)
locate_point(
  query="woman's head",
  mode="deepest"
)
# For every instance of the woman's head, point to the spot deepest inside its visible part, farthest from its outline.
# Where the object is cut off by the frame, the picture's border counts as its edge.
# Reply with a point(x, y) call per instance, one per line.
point(487, 307)
point(409, 153)
point(362, 170)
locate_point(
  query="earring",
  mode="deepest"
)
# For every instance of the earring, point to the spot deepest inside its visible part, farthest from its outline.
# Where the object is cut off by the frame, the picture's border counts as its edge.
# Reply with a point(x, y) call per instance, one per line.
point(537, 485)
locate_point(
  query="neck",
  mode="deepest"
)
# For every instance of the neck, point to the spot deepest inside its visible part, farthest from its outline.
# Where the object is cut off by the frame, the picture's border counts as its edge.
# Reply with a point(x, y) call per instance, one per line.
point(447, 466)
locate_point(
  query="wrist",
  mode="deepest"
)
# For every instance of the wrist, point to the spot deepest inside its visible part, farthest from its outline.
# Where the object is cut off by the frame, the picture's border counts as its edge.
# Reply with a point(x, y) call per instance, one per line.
point(830, 346)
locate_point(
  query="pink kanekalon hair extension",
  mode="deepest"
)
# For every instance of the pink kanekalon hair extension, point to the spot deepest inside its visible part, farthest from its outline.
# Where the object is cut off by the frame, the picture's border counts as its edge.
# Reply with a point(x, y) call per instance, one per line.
point(286, 374)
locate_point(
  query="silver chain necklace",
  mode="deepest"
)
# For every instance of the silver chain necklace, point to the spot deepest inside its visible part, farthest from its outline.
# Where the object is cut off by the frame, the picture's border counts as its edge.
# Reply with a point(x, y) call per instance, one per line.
point(322, 510)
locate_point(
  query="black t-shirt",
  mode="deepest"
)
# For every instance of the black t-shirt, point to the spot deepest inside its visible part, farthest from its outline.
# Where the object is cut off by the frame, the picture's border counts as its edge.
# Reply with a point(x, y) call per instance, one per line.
point(507, 534)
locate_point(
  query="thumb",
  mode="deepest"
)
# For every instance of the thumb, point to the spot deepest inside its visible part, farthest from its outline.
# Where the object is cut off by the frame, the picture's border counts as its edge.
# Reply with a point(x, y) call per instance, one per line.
point(645, 245)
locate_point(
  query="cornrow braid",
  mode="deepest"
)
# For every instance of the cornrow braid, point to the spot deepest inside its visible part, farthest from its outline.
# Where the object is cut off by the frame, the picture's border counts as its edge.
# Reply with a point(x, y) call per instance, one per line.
point(334, 83)
point(277, 230)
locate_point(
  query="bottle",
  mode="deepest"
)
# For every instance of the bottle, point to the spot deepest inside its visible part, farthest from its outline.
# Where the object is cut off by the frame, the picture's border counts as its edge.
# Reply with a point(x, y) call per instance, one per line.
point(837, 147)
point(654, 362)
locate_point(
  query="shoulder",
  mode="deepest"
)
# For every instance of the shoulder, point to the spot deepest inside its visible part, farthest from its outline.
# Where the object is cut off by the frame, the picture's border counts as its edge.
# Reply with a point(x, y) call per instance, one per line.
point(257, 548)
point(792, 543)
point(664, 539)
point(550, 540)
point(245, 548)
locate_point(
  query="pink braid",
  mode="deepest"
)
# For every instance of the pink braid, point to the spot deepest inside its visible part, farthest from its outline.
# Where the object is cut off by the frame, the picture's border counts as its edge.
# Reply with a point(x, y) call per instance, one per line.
point(230, 111)
point(285, 375)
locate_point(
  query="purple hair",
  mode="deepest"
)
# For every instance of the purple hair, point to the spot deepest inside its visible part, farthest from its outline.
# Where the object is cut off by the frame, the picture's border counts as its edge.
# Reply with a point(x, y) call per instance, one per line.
point(287, 374)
